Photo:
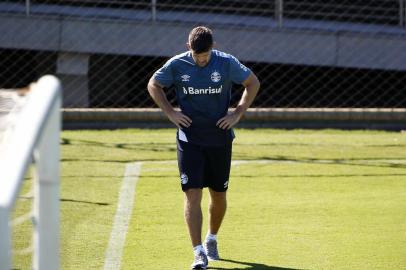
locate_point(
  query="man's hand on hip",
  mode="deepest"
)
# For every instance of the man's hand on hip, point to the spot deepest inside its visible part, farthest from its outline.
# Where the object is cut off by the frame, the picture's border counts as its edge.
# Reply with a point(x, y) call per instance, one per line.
point(179, 119)
point(229, 120)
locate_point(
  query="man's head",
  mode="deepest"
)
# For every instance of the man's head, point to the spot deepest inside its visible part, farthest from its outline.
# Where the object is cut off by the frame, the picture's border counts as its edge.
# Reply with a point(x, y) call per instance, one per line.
point(200, 44)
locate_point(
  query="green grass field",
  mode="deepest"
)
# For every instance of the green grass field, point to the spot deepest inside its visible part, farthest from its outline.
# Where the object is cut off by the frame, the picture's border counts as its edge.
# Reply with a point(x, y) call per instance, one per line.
point(300, 199)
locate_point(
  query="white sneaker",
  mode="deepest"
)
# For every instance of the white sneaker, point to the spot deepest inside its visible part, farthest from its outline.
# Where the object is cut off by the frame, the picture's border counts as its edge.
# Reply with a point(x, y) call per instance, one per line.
point(211, 250)
point(200, 261)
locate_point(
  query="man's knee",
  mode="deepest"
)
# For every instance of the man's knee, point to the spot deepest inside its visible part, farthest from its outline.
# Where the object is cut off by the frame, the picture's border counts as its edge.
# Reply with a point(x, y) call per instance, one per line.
point(218, 197)
point(193, 196)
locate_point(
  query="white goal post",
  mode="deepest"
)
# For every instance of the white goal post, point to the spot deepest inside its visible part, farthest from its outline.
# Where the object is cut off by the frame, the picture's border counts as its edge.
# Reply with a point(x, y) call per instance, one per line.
point(34, 138)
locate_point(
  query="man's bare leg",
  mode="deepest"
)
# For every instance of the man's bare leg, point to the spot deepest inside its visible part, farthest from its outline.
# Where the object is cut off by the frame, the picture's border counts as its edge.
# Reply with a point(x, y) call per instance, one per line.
point(193, 215)
point(217, 210)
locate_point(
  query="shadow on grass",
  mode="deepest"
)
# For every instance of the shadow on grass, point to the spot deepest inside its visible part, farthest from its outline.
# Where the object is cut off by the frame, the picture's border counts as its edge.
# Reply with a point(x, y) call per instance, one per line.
point(158, 147)
point(85, 202)
point(139, 146)
point(250, 266)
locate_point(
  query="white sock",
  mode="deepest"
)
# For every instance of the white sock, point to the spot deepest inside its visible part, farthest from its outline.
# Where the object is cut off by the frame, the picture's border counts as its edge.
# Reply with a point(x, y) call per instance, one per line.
point(210, 236)
point(197, 249)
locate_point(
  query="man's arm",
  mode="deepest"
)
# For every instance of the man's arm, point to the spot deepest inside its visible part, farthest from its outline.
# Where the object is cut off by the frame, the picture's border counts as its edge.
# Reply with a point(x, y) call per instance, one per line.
point(251, 90)
point(156, 91)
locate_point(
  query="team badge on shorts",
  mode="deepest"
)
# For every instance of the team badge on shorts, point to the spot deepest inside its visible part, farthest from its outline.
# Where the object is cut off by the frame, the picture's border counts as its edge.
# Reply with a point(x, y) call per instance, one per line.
point(215, 76)
point(184, 179)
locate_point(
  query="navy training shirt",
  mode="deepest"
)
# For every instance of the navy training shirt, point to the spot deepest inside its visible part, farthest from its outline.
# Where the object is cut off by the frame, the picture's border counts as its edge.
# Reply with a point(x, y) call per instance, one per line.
point(203, 93)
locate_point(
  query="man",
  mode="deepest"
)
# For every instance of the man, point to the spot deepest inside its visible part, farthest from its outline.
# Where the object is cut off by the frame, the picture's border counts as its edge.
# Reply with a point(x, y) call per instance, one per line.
point(203, 78)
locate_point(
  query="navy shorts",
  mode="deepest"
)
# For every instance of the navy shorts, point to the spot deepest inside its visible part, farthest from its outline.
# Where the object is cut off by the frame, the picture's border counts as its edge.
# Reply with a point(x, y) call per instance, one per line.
point(204, 166)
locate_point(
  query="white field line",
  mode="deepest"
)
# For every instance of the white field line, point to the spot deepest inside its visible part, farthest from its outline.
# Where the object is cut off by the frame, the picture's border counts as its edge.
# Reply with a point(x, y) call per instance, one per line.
point(275, 161)
point(122, 217)
point(233, 162)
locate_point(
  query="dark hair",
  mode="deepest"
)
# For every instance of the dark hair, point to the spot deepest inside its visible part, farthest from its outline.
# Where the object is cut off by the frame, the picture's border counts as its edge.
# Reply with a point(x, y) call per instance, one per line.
point(200, 39)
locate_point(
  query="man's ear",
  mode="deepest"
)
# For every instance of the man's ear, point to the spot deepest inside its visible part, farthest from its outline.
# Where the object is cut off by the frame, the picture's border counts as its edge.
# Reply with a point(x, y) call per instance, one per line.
point(188, 46)
point(214, 45)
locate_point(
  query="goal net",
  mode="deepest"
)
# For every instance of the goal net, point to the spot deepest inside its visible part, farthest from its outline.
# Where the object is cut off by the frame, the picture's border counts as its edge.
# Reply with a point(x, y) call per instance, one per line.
point(29, 141)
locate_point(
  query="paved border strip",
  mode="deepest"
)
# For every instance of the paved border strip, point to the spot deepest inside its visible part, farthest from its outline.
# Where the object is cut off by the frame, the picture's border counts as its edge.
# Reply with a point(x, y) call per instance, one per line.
point(122, 217)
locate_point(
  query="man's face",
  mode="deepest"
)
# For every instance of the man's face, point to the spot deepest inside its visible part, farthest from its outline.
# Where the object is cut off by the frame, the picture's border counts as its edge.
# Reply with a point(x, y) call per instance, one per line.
point(201, 59)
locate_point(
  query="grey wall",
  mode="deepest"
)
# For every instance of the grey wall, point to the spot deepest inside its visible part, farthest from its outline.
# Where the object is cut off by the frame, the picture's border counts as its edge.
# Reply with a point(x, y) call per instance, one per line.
point(289, 46)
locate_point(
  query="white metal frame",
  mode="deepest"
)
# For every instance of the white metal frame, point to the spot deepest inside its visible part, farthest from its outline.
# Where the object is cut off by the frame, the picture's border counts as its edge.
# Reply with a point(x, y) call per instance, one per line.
point(36, 133)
